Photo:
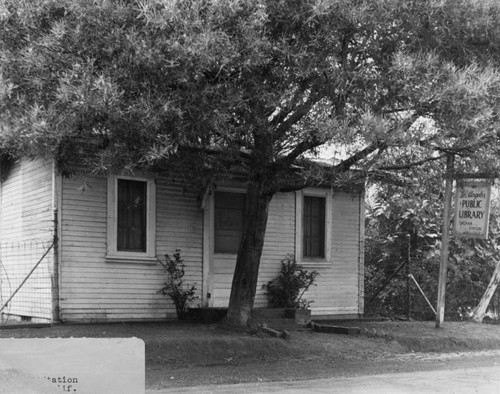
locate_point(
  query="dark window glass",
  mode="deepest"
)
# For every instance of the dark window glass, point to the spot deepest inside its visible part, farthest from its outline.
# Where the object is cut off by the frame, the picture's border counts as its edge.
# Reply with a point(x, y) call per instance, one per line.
point(132, 223)
point(228, 221)
point(313, 224)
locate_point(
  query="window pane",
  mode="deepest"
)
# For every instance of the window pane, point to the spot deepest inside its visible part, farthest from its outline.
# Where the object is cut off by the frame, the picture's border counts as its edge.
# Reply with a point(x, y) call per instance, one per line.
point(313, 223)
point(131, 219)
point(228, 221)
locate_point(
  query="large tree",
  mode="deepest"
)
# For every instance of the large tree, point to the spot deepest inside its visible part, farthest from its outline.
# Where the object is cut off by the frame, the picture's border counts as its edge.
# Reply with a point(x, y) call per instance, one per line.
point(249, 87)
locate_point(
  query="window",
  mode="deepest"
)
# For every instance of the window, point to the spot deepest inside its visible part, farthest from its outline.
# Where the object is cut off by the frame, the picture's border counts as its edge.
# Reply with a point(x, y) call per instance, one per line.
point(229, 220)
point(131, 218)
point(313, 227)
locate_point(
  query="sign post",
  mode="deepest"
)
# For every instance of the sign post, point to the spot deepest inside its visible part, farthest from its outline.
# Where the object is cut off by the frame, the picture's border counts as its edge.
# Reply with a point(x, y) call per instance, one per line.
point(472, 212)
point(443, 266)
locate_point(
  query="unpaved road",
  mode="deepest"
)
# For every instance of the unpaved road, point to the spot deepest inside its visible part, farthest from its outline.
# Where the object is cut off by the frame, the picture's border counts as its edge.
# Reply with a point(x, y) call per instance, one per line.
point(474, 380)
point(475, 372)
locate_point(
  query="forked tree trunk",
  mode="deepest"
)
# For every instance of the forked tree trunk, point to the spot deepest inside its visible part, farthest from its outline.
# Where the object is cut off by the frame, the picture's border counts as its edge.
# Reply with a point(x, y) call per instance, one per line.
point(239, 314)
point(480, 310)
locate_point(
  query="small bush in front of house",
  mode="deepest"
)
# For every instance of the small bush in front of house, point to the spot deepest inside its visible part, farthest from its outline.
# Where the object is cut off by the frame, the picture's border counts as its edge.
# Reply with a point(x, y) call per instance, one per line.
point(287, 289)
point(179, 292)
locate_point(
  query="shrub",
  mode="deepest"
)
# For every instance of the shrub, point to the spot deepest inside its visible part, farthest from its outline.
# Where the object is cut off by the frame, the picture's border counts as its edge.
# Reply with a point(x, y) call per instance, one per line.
point(286, 290)
point(181, 294)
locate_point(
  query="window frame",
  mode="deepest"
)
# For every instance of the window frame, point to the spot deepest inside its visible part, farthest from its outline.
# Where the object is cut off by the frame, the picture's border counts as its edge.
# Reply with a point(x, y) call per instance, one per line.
point(313, 219)
point(113, 254)
point(299, 229)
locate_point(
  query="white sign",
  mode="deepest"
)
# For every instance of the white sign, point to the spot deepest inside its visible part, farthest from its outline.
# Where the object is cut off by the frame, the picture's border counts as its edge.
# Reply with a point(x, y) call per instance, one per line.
point(472, 209)
point(72, 365)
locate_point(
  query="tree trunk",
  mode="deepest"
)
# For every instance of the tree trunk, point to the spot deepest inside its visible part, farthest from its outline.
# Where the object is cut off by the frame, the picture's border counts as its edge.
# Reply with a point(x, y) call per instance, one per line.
point(239, 314)
point(480, 310)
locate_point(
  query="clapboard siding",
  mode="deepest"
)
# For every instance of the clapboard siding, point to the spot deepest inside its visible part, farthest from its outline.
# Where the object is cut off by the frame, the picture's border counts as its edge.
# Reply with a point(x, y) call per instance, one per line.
point(338, 283)
point(343, 274)
point(279, 241)
point(27, 201)
point(26, 227)
point(96, 289)
point(11, 204)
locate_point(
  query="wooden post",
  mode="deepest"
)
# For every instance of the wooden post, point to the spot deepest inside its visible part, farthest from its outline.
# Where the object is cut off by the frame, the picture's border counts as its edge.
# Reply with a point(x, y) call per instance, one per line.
point(445, 240)
point(408, 272)
point(55, 277)
point(55, 271)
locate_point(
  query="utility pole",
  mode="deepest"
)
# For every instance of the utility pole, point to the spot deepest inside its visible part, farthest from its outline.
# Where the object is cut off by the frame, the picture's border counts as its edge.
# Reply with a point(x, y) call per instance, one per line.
point(445, 240)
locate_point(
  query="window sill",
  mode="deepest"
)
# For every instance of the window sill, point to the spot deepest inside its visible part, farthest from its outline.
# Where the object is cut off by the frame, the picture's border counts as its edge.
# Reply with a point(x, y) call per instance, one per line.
point(315, 263)
point(131, 259)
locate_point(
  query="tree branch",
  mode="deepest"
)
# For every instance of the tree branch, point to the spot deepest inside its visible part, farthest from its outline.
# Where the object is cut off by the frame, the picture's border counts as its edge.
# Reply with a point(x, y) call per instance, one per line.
point(347, 163)
point(387, 177)
point(210, 151)
point(300, 148)
point(289, 108)
point(297, 114)
point(412, 164)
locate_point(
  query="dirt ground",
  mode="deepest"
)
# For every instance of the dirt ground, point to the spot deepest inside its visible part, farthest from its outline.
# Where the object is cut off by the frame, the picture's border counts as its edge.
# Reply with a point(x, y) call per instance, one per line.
point(195, 354)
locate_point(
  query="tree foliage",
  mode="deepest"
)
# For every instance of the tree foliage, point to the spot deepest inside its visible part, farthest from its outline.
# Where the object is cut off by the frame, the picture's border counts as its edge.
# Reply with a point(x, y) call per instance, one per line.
point(145, 78)
point(409, 220)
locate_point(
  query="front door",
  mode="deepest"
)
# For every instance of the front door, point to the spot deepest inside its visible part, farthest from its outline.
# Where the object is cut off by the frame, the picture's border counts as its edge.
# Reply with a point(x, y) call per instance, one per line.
point(226, 225)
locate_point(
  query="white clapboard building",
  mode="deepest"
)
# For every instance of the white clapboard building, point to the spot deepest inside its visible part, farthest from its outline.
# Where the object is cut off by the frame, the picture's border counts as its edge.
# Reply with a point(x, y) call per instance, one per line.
point(105, 266)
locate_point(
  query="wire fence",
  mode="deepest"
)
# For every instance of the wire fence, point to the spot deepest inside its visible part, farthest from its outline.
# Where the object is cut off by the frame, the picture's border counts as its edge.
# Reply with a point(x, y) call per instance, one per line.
point(399, 295)
point(26, 280)
point(416, 299)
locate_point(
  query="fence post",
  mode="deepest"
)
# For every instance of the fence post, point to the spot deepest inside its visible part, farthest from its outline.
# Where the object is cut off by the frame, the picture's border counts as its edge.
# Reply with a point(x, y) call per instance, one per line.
point(55, 271)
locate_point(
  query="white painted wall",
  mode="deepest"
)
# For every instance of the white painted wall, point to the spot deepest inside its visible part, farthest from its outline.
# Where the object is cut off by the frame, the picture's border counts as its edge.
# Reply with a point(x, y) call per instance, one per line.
point(337, 289)
point(338, 282)
point(96, 289)
point(26, 224)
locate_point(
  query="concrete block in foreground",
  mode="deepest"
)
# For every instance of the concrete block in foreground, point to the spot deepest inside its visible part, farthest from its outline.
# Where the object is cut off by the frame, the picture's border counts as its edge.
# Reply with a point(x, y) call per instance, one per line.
point(275, 333)
point(270, 331)
point(336, 329)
